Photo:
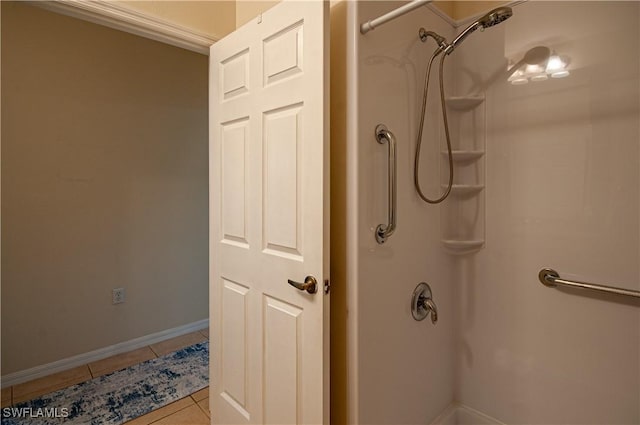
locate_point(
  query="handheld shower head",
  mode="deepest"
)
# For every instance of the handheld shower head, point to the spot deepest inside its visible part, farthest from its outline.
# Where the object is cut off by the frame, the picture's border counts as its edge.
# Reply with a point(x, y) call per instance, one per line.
point(492, 18)
point(496, 16)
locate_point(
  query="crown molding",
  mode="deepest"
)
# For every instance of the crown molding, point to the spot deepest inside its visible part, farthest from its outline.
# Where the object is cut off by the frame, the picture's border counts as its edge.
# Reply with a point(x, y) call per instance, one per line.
point(113, 15)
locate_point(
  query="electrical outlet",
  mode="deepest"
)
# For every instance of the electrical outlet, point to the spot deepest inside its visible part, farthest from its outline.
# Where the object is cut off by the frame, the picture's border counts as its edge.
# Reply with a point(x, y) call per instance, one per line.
point(117, 296)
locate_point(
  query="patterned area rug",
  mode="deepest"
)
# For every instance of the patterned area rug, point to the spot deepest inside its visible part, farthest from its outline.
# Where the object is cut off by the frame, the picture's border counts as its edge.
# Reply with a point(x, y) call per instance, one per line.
point(119, 396)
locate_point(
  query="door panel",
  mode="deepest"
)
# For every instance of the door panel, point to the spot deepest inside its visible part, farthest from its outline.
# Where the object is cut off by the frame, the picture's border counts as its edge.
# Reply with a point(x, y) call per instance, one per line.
point(269, 199)
point(234, 338)
point(234, 190)
point(281, 361)
point(282, 219)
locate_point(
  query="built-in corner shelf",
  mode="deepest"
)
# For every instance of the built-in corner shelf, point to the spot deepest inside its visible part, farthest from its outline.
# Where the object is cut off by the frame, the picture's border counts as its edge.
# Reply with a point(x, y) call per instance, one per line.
point(464, 156)
point(463, 221)
point(462, 247)
point(464, 103)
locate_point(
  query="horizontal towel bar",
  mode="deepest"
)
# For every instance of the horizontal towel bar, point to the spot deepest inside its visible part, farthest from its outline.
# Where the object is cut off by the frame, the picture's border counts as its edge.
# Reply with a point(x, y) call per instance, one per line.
point(551, 278)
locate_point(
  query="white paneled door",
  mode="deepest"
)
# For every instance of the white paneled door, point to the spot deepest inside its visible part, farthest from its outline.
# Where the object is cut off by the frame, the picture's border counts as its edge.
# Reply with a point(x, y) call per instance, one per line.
point(269, 185)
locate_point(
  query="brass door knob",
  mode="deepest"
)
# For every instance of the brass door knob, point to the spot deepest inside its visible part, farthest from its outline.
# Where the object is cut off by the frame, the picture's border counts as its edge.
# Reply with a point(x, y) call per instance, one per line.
point(310, 284)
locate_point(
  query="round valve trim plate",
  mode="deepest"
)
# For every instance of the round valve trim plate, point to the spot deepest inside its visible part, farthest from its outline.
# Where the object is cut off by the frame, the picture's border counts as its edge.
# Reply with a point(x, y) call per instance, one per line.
point(422, 291)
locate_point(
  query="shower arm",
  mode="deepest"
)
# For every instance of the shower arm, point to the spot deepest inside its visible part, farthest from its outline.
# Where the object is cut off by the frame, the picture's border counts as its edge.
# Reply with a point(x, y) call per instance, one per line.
point(442, 42)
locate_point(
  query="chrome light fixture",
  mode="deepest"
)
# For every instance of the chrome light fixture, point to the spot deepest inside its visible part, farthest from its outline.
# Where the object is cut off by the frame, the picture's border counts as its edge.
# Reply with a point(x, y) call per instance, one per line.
point(557, 67)
point(538, 64)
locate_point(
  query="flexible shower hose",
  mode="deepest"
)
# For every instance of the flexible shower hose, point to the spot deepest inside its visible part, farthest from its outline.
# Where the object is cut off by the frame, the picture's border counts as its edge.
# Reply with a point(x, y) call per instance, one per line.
point(416, 168)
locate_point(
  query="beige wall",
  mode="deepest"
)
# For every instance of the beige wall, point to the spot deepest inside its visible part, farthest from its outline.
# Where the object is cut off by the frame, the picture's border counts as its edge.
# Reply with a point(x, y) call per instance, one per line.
point(217, 18)
point(465, 9)
point(338, 267)
point(248, 9)
point(213, 18)
point(445, 6)
point(459, 10)
point(104, 184)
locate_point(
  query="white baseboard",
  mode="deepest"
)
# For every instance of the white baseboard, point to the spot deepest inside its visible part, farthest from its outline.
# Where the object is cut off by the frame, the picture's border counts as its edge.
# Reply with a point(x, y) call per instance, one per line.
point(102, 353)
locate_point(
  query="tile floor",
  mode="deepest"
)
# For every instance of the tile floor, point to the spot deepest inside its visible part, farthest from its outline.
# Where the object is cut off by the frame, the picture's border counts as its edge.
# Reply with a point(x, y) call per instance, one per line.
point(192, 410)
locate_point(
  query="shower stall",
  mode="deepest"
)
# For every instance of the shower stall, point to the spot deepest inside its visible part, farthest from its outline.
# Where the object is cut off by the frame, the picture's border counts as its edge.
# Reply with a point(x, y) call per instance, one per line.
point(544, 118)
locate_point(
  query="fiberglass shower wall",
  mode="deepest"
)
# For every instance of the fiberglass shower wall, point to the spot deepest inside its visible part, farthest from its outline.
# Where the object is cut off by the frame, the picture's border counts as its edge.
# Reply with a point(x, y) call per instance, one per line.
point(562, 191)
point(400, 370)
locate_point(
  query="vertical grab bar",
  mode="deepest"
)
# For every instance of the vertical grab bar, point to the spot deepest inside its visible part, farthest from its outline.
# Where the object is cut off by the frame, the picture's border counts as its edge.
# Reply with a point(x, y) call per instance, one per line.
point(383, 231)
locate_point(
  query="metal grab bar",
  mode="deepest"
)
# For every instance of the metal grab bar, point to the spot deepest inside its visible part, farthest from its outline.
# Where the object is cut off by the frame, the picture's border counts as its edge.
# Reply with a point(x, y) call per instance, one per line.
point(372, 24)
point(383, 231)
point(551, 278)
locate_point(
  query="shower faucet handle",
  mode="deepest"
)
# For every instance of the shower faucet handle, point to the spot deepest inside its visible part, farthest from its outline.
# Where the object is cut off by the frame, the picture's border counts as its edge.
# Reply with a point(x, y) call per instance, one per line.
point(431, 307)
point(422, 304)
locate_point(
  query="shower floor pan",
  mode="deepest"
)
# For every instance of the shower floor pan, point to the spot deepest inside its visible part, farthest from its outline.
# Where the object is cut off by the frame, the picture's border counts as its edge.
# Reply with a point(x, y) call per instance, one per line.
point(458, 414)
